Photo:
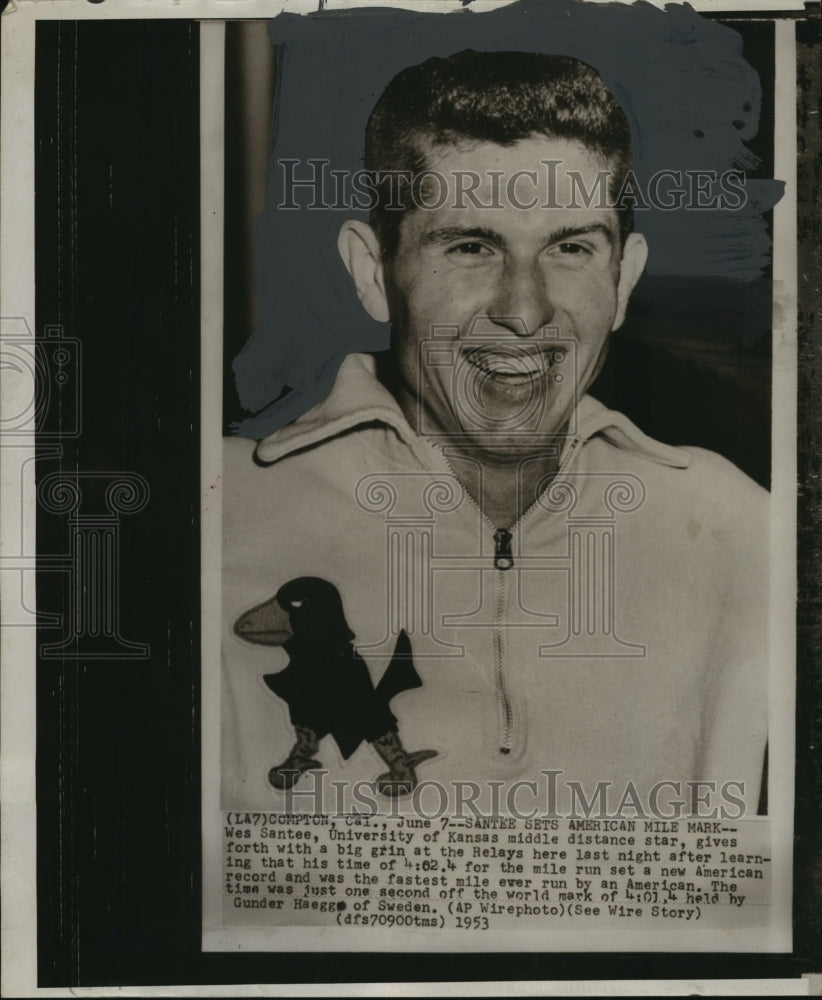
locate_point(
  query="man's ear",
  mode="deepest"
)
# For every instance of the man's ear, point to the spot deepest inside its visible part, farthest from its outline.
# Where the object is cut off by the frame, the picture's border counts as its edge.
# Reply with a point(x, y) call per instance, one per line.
point(634, 256)
point(360, 251)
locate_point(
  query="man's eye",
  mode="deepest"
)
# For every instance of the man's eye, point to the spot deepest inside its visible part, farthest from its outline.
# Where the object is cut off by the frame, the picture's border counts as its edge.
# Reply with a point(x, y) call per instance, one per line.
point(572, 248)
point(470, 249)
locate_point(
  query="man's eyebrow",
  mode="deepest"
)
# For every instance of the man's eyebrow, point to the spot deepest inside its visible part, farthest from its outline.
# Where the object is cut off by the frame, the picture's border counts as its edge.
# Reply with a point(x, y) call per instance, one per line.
point(570, 232)
point(447, 234)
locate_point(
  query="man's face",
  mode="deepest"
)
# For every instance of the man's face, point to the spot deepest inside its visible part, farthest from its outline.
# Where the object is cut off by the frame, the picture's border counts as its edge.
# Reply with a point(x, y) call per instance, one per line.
point(529, 295)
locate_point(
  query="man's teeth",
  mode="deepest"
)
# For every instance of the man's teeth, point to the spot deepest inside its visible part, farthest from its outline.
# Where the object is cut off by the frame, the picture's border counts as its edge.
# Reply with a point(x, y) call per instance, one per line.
point(508, 365)
point(511, 371)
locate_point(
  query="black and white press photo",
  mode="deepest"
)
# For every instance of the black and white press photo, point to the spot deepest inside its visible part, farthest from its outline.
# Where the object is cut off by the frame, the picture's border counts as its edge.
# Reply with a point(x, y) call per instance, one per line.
point(496, 513)
point(409, 497)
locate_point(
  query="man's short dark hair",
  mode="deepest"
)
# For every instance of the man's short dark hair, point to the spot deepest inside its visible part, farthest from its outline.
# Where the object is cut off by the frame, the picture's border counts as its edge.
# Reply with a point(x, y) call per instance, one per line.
point(499, 97)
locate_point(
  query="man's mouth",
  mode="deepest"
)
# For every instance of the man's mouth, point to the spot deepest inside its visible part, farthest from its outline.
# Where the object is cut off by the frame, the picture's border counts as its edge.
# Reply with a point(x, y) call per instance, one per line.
point(511, 365)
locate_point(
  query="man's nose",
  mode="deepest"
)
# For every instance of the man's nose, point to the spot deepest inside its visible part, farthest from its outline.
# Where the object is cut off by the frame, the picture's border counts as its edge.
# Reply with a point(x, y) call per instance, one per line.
point(522, 302)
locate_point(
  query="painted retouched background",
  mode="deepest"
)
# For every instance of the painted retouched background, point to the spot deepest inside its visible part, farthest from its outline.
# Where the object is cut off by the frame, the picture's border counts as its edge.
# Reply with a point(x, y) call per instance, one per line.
point(691, 365)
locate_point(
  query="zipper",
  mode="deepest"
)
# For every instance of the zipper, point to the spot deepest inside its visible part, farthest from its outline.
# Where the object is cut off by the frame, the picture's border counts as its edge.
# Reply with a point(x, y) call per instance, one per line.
point(506, 713)
point(503, 557)
point(572, 447)
point(503, 561)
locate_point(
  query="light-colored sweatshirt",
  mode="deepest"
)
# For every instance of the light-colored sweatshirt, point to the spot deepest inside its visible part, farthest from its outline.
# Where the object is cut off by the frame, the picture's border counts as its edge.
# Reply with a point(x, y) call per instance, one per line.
point(622, 642)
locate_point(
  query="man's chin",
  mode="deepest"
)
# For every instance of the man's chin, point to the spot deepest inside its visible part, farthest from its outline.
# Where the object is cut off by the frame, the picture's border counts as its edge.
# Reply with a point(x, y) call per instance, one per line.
point(502, 447)
point(516, 422)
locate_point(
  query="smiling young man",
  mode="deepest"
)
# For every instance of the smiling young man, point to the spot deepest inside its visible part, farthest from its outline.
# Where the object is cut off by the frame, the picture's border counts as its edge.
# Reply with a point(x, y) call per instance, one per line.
point(580, 600)
point(513, 283)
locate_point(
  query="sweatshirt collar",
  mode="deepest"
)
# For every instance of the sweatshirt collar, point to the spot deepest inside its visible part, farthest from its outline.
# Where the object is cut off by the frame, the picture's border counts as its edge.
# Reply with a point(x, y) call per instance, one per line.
point(358, 398)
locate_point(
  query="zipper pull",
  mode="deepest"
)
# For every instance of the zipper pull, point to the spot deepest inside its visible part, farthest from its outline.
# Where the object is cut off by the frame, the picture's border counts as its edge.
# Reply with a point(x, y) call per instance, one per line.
point(503, 557)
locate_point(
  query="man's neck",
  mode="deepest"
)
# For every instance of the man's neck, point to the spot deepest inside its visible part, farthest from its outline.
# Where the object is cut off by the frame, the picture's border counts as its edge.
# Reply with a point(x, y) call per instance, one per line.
point(503, 486)
point(505, 489)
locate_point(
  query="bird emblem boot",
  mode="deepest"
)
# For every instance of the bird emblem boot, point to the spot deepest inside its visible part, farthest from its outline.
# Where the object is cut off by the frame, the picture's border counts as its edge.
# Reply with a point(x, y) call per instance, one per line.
point(401, 777)
point(299, 760)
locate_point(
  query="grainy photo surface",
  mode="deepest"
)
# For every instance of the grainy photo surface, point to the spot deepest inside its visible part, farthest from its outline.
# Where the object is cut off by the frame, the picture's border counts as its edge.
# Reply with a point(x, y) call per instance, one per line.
point(496, 562)
point(399, 412)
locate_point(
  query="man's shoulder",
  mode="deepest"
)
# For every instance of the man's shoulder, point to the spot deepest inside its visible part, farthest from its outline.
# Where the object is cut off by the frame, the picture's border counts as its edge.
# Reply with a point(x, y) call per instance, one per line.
point(685, 485)
point(617, 444)
point(245, 456)
point(310, 477)
point(714, 494)
point(722, 479)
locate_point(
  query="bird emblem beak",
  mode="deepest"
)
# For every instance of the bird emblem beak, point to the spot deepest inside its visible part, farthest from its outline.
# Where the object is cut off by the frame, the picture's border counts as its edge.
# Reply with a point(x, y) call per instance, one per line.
point(266, 624)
